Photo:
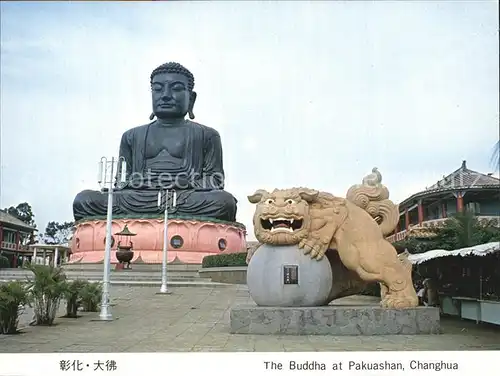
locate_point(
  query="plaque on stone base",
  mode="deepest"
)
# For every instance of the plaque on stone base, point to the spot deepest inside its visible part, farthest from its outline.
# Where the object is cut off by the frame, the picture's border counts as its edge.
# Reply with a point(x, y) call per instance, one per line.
point(291, 274)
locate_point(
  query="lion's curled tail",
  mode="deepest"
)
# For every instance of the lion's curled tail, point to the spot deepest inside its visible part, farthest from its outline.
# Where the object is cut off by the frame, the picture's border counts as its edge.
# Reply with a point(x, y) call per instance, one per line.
point(373, 197)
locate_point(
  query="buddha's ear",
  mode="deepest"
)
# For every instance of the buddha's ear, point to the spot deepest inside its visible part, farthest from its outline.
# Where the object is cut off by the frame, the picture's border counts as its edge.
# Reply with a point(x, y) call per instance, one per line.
point(192, 100)
point(257, 196)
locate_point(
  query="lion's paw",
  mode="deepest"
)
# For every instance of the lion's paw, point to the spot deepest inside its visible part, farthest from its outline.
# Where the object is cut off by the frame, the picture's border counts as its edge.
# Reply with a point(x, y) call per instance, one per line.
point(395, 301)
point(313, 247)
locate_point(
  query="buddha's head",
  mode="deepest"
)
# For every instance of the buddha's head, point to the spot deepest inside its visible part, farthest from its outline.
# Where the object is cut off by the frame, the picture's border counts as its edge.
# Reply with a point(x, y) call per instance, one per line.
point(172, 91)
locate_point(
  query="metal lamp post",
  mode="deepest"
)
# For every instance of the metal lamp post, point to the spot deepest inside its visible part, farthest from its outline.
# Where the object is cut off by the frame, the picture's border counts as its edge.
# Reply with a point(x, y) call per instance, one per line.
point(165, 200)
point(106, 179)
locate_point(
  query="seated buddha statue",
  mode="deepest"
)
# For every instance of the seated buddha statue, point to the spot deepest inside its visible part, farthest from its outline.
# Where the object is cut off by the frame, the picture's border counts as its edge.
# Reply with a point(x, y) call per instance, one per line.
point(171, 152)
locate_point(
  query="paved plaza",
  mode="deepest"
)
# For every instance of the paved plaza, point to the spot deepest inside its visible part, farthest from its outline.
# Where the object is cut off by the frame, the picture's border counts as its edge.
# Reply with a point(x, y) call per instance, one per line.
point(197, 319)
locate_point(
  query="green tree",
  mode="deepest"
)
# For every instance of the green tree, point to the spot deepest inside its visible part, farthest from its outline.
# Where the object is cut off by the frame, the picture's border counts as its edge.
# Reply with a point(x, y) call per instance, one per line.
point(418, 245)
point(46, 289)
point(459, 231)
point(58, 233)
point(23, 212)
point(465, 230)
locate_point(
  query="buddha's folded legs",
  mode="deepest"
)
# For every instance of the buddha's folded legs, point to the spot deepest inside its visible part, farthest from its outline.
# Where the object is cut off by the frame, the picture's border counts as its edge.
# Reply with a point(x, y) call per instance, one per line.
point(216, 204)
point(213, 204)
point(90, 203)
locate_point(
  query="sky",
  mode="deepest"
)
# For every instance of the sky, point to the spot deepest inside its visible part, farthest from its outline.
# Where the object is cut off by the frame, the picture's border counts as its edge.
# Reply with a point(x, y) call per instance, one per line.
point(302, 93)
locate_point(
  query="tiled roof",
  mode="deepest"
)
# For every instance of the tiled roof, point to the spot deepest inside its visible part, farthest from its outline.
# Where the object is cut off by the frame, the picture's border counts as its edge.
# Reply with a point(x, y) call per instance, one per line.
point(465, 178)
point(460, 179)
point(10, 219)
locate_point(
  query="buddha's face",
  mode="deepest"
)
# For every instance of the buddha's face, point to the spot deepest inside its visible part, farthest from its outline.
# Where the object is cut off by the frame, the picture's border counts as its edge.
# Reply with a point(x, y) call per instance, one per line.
point(170, 95)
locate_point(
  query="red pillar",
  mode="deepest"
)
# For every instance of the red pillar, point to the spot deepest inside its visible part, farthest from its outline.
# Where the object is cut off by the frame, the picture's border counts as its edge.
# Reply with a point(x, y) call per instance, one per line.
point(460, 203)
point(420, 209)
point(18, 247)
point(443, 209)
point(1, 235)
point(407, 219)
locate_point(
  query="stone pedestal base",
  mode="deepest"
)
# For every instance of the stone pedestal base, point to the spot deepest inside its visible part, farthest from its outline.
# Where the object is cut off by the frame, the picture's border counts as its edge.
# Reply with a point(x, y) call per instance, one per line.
point(334, 320)
point(194, 239)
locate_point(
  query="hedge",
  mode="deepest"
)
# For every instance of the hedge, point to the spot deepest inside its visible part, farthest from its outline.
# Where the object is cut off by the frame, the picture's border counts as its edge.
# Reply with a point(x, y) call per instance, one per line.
point(221, 260)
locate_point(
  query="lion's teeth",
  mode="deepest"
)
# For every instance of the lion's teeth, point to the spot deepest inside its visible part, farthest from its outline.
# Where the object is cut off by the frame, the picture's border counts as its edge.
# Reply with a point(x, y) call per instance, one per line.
point(281, 229)
point(271, 220)
point(291, 221)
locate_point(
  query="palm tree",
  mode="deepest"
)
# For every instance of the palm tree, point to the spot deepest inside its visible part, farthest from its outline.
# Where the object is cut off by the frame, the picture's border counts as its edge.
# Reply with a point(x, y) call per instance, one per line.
point(465, 230)
point(46, 290)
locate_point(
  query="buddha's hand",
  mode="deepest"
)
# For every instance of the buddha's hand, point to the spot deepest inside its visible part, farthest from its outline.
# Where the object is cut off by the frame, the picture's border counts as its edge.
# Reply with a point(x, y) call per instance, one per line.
point(182, 182)
point(121, 185)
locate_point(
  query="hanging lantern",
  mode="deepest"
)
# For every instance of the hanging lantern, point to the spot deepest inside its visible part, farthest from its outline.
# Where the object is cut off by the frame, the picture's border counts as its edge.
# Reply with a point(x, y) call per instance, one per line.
point(124, 248)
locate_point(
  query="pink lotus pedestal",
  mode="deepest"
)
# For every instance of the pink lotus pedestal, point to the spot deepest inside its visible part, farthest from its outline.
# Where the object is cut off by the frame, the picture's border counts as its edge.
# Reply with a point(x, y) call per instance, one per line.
point(189, 240)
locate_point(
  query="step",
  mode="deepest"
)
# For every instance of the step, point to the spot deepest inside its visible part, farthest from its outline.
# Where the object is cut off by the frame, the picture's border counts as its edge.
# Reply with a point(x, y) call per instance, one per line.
point(204, 284)
point(115, 275)
point(180, 274)
point(3, 279)
point(113, 270)
point(125, 280)
point(138, 267)
point(132, 274)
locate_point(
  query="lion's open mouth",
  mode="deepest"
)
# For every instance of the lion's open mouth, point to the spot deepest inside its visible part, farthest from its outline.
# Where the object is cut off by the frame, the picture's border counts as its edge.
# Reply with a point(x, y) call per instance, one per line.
point(281, 224)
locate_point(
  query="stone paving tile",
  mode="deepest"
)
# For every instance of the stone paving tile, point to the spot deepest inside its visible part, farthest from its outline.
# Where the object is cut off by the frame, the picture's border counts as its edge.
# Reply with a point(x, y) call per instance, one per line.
point(197, 319)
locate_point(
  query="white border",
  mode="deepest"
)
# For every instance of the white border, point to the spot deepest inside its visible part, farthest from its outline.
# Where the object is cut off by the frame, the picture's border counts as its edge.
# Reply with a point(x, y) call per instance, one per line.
point(254, 364)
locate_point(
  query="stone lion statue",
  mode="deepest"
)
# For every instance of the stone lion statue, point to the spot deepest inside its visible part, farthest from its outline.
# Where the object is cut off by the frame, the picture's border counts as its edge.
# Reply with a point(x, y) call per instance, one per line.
point(354, 226)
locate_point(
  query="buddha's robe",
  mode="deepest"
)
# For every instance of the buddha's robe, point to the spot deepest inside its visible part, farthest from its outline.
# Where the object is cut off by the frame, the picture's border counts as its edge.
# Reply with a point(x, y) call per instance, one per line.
point(187, 158)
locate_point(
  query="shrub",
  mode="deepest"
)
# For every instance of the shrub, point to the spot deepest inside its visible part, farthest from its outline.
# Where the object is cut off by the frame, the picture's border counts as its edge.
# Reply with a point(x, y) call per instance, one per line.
point(90, 296)
point(72, 295)
point(4, 262)
point(415, 245)
point(458, 231)
point(13, 295)
point(45, 292)
point(221, 260)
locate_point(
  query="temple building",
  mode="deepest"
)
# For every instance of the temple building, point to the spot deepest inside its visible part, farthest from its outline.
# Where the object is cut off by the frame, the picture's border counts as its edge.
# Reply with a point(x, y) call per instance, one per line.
point(463, 189)
point(14, 237)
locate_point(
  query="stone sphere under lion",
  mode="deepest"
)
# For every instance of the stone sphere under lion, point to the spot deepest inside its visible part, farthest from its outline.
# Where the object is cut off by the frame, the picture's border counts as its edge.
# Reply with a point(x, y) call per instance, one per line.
point(265, 278)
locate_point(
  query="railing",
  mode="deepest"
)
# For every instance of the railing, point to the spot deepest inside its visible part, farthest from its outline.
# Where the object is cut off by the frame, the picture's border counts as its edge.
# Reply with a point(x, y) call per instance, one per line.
point(14, 246)
point(9, 245)
point(396, 237)
point(493, 219)
point(430, 223)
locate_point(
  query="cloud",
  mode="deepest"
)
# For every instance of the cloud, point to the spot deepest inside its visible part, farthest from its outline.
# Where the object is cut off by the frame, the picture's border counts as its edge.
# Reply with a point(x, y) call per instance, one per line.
point(302, 93)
